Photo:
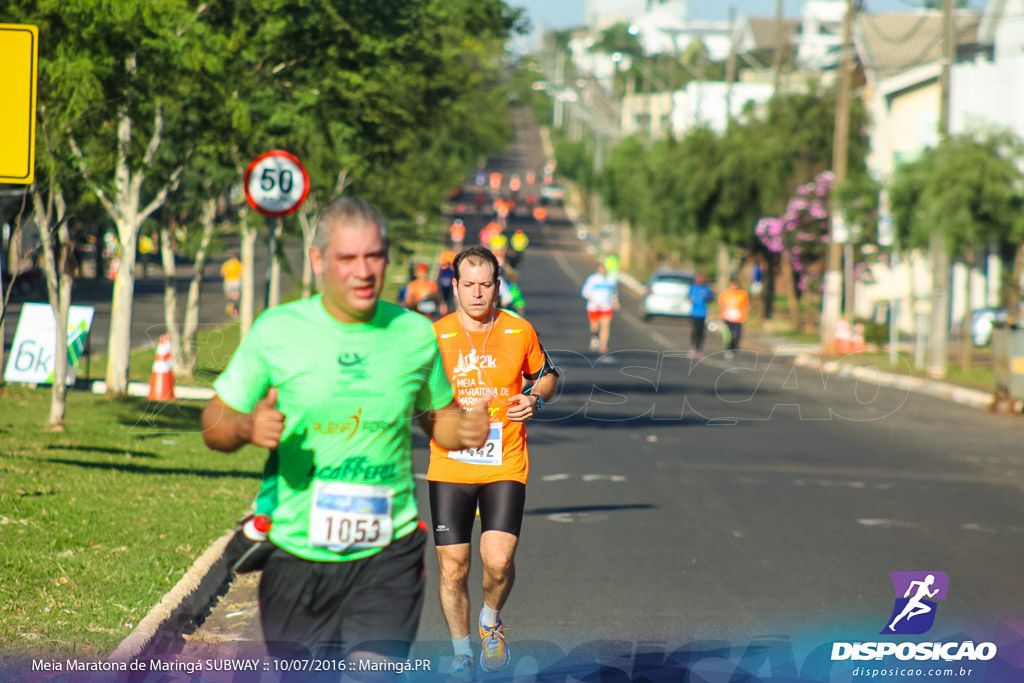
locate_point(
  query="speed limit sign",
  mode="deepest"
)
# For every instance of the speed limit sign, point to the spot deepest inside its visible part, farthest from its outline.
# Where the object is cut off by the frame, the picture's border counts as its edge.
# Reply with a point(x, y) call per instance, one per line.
point(276, 183)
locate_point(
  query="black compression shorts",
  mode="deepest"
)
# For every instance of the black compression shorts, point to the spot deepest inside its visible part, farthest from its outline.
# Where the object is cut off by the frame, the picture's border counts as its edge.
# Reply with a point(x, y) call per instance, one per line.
point(453, 509)
point(331, 608)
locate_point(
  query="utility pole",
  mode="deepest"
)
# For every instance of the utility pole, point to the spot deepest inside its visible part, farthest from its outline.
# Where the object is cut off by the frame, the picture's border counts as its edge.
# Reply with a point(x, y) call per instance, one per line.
point(559, 111)
point(939, 328)
point(832, 295)
point(724, 262)
point(730, 65)
point(779, 47)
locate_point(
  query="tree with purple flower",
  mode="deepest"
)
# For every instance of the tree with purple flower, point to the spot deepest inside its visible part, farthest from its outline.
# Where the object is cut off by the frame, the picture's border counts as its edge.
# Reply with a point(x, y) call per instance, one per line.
point(800, 236)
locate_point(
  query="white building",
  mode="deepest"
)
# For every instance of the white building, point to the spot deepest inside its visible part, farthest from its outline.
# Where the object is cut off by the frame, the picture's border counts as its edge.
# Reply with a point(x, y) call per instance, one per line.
point(901, 55)
point(988, 92)
point(821, 33)
point(710, 104)
point(598, 15)
point(700, 103)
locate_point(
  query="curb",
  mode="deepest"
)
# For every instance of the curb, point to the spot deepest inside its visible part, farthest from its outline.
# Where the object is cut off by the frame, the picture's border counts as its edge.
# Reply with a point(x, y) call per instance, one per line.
point(962, 395)
point(141, 390)
point(179, 608)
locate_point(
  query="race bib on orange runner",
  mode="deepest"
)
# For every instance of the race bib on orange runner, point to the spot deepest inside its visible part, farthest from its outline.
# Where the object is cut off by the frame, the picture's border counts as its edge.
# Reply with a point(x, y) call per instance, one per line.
point(488, 454)
point(350, 516)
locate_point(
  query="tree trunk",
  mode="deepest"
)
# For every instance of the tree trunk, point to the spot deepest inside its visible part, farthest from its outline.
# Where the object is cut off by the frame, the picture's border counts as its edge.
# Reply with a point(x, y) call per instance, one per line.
point(6, 293)
point(966, 340)
point(274, 284)
point(120, 340)
point(247, 295)
point(192, 301)
point(771, 270)
point(59, 276)
point(171, 298)
point(723, 274)
point(307, 242)
point(58, 402)
point(789, 289)
point(14, 249)
point(1013, 291)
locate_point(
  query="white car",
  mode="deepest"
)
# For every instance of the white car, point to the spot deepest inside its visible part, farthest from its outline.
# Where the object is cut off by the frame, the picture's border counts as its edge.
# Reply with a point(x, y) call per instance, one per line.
point(667, 293)
point(552, 194)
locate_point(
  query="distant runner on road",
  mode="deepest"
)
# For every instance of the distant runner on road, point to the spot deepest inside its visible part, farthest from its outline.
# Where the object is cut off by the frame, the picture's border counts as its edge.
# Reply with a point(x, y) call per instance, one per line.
point(733, 305)
point(231, 271)
point(602, 295)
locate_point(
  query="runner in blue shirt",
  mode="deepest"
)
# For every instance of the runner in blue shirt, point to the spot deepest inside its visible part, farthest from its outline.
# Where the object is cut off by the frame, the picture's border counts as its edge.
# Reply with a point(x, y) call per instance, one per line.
point(700, 295)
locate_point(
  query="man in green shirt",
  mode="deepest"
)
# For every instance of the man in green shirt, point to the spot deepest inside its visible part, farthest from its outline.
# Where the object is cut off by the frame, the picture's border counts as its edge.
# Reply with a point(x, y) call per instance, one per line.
point(330, 384)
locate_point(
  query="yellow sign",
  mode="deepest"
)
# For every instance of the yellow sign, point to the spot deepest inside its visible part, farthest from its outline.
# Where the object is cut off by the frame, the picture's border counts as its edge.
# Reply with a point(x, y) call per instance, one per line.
point(19, 63)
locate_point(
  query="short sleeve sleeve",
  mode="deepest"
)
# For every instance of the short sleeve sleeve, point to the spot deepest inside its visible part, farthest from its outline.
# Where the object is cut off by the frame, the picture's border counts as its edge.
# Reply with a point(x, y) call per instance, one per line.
point(536, 361)
point(437, 391)
point(246, 378)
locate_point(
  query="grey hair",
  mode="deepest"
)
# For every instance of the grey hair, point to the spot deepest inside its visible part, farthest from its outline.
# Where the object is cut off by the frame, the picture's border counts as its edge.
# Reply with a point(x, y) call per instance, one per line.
point(351, 211)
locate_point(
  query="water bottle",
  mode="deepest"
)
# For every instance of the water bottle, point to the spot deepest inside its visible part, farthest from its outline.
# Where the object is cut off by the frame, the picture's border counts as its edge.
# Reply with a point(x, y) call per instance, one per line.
point(249, 548)
point(257, 528)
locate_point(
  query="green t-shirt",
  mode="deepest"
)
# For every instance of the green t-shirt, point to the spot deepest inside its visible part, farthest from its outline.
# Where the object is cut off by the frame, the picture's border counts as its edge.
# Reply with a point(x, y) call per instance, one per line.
point(349, 394)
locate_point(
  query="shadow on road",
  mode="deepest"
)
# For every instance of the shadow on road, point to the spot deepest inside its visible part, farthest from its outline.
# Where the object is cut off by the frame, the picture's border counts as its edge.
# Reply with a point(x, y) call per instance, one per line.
point(589, 508)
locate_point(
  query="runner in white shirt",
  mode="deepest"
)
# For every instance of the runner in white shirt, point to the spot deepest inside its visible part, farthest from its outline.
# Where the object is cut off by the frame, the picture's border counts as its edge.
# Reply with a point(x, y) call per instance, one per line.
point(602, 295)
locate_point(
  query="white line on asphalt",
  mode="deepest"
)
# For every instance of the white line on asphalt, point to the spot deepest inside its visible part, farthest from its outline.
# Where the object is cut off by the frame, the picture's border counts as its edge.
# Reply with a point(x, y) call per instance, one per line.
point(885, 523)
point(598, 477)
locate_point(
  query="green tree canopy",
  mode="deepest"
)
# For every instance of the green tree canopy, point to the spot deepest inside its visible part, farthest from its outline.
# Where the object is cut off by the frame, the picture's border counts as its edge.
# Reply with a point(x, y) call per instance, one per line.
point(968, 188)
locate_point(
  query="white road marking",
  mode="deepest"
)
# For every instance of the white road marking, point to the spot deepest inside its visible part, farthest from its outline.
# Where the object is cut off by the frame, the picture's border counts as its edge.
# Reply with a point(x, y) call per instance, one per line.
point(886, 523)
point(598, 477)
point(554, 477)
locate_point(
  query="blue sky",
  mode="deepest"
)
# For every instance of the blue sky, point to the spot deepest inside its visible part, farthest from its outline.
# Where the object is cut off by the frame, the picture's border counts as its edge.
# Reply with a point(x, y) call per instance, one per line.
point(565, 13)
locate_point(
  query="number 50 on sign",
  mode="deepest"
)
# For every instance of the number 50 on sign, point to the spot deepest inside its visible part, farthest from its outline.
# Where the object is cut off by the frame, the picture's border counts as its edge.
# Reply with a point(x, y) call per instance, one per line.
point(276, 183)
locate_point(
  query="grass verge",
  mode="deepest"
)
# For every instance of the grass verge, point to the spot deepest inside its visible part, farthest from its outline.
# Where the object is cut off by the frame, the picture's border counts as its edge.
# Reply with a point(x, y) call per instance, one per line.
point(98, 523)
point(980, 376)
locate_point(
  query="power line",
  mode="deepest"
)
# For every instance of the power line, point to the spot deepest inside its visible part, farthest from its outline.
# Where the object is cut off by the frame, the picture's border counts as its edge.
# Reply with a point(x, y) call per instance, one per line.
point(903, 38)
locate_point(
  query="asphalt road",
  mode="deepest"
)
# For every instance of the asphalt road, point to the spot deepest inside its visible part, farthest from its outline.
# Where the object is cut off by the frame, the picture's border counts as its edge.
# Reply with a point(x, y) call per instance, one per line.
point(725, 509)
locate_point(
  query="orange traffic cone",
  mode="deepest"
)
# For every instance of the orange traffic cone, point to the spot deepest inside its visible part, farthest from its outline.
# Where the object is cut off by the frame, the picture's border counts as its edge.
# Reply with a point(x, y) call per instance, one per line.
point(843, 336)
point(857, 343)
point(161, 381)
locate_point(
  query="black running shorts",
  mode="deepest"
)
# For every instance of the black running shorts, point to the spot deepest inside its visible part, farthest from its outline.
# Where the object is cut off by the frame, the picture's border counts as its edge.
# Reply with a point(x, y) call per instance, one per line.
point(325, 609)
point(453, 509)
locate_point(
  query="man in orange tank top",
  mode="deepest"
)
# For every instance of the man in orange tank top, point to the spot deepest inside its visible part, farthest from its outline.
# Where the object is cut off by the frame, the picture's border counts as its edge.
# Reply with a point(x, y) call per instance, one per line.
point(733, 305)
point(484, 349)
